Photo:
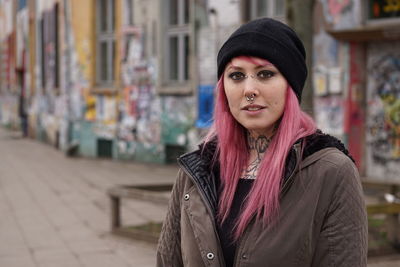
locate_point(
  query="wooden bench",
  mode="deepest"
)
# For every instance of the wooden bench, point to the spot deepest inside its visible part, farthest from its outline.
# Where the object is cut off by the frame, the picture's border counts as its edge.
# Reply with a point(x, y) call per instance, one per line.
point(381, 206)
point(158, 194)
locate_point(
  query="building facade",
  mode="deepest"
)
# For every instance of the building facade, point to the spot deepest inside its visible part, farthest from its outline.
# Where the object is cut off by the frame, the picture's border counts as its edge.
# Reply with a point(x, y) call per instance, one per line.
point(356, 71)
point(134, 79)
point(100, 78)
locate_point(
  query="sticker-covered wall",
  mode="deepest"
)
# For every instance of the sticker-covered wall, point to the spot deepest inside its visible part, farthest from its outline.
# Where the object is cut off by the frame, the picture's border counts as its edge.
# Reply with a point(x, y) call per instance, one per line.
point(329, 84)
point(330, 67)
point(383, 125)
point(151, 127)
point(342, 14)
point(139, 125)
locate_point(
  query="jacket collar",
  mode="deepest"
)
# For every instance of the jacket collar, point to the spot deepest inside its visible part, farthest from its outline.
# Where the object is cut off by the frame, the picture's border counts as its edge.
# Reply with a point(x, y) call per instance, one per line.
point(319, 141)
point(204, 170)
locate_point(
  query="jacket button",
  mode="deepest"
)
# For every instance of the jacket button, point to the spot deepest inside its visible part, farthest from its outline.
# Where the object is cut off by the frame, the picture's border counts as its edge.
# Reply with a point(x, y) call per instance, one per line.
point(244, 256)
point(186, 197)
point(210, 256)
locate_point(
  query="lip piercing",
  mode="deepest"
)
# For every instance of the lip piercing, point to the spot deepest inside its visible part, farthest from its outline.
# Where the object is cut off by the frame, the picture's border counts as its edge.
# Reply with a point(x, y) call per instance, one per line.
point(250, 98)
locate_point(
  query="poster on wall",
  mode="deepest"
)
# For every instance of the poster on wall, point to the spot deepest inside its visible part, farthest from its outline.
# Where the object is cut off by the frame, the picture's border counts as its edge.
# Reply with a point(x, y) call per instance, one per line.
point(384, 9)
point(383, 117)
point(335, 81)
point(205, 106)
point(110, 110)
point(320, 82)
point(329, 115)
point(90, 113)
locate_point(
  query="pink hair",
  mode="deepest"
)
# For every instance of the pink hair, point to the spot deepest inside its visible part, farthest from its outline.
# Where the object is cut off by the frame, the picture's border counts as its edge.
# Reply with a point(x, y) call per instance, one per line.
point(263, 199)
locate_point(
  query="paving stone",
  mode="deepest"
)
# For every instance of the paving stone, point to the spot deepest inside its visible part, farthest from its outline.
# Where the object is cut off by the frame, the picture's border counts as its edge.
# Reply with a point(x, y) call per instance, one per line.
point(58, 207)
point(89, 245)
point(62, 217)
point(18, 261)
point(62, 263)
point(76, 232)
point(12, 249)
point(45, 255)
point(102, 260)
point(9, 230)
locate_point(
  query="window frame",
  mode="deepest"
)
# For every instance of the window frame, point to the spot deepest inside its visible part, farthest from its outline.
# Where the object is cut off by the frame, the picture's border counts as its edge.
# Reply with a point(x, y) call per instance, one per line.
point(181, 30)
point(377, 21)
point(49, 62)
point(251, 7)
point(108, 37)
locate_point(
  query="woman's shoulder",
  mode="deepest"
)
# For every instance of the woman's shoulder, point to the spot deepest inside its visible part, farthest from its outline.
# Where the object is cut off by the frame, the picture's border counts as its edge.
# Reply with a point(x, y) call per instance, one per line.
point(320, 141)
point(201, 158)
point(328, 159)
point(333, 157)
point(330, 169)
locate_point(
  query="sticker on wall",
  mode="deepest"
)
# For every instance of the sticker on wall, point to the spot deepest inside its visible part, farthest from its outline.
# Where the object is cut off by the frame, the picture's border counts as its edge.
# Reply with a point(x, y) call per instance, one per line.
point(335, 81)
point(329, 115)
point(90, 114)
point(110, 110)
point(320, 81)
point(100, 111)
point(205, 106)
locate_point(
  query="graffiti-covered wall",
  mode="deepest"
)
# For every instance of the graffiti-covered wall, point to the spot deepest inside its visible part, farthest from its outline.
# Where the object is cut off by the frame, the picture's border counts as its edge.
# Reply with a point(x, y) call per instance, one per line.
point(148, 123)
point(342, 14)
point(331, 63)
point(338, 73)
point(383, 123)
point(139, 125)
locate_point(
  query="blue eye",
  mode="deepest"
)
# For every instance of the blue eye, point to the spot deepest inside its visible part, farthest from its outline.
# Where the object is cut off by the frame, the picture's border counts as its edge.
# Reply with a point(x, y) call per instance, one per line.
point(265, 74)
point(236, 76)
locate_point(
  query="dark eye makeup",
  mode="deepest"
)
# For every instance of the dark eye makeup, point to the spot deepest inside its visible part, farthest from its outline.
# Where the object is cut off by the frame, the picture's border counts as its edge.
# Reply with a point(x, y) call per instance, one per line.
point(236, 76)
point(261, 75)
point(265, 74)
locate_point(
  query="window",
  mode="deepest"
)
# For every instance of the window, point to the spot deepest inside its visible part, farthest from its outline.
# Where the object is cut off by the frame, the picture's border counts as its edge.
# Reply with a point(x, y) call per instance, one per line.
point(128, 12)
point(154, 38)
point(49, 49)
point(21, 4)
point(263, 8)
point(380, 9)
point(105, 37)
point(177, 67)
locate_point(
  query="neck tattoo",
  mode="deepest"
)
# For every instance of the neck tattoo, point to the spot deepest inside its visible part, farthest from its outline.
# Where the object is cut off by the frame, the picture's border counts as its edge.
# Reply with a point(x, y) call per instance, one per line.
point(259, 145)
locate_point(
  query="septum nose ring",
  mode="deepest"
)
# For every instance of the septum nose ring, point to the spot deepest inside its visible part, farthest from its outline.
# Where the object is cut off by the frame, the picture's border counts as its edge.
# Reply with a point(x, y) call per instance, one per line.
point(250, 98)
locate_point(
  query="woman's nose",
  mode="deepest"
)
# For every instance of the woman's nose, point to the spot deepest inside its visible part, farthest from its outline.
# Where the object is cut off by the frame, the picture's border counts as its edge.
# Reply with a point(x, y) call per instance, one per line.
point(250, 86)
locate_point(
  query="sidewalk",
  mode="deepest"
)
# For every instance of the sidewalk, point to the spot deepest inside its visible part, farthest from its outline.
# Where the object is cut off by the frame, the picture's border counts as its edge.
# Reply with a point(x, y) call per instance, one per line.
point(55, 211)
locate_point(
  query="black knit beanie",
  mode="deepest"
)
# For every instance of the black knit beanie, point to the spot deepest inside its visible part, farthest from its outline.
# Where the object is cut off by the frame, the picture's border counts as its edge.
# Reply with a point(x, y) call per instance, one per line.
point(271, 40)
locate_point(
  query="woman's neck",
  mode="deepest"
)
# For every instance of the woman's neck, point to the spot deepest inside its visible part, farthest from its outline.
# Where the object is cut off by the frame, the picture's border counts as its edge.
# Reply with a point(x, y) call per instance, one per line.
point(257, 145)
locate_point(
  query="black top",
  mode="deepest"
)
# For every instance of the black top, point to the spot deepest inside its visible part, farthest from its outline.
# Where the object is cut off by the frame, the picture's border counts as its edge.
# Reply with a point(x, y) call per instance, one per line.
point(225, 231)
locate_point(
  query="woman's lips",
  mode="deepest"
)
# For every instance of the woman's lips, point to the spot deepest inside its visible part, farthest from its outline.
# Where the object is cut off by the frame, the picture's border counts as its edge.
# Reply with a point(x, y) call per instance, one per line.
point(253, 109)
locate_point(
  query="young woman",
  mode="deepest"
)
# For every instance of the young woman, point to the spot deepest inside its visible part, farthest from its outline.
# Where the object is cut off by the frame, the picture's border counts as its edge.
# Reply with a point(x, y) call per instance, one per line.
point(266, 188)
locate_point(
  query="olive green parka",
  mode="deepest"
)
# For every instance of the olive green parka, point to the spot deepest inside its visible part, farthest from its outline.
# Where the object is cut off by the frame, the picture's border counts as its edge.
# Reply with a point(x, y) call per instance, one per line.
point(322, 218)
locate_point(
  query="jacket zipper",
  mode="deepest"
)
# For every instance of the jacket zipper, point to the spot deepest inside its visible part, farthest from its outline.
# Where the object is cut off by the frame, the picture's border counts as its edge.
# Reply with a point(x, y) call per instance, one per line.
point(296, 149)
point(240, 243)
point(246, 231)
point(208, 207)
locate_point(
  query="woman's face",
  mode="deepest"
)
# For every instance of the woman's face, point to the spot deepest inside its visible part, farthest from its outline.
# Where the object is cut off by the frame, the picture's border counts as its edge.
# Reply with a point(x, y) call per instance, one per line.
point(249, 76)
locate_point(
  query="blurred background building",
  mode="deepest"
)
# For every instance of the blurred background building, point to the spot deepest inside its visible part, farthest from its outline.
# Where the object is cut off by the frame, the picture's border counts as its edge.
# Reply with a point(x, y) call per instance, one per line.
point(134, 79)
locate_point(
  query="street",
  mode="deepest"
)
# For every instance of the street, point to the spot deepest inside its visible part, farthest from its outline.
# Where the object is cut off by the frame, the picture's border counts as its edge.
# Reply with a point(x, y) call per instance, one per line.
point(55, 210)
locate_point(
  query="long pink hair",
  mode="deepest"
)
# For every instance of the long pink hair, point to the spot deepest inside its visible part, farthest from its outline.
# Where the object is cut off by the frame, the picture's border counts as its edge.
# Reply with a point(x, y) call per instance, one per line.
point(263, 199)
